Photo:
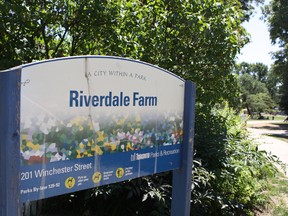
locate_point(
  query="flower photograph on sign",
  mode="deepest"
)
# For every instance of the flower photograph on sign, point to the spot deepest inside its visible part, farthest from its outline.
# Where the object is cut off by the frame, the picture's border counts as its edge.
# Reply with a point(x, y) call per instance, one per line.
point(48, 140)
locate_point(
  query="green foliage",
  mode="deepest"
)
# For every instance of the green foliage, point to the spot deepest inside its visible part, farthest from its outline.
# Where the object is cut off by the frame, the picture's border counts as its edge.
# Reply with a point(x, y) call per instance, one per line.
point(284, 90)
point(277, 191)
point(148, 196)
point(249, 85)
point(261, 102)
point(259, 71)
point(235, 171)
point(195, 40)
point(277, 20)
point(255, 95)
point(273, 83)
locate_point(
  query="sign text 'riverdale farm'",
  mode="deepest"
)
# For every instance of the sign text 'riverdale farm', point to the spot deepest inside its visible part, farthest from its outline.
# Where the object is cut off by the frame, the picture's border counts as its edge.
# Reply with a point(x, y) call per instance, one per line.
point(80, 99)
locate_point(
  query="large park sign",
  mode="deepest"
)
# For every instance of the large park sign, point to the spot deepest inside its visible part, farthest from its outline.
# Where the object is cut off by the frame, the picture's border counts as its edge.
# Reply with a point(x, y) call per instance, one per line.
point(75, 123)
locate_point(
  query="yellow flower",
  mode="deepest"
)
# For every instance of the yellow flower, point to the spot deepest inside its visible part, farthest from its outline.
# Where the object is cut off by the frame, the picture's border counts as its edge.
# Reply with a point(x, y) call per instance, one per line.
point(100, 136)
point(129, 146)
point(91, 126)
point(79, 156)
point(81, 128)
point(121, 121)
point(36, 147)
point(78, 120)
point(24, 136)
point(33, 146)
point(112, 146)
point(81, 145)
point(29, 144)
point(97, 149)
point(138, 118)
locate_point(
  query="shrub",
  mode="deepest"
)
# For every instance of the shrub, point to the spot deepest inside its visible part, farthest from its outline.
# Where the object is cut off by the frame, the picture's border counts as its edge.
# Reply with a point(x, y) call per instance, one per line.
point(232, 172)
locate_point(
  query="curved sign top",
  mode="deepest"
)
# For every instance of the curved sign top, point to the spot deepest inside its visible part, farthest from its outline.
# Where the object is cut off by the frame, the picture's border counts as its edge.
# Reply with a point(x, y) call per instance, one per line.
point(103, 83)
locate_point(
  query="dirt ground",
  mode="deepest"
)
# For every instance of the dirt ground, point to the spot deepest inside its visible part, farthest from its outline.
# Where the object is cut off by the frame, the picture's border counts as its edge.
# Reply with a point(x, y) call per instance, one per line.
point(267, 133)
point(272, 137)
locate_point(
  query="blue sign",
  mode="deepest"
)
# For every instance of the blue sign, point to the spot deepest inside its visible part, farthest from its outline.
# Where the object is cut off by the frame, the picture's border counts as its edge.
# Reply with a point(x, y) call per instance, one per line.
point(40, 181)
point(91, 121)
point(81, 122)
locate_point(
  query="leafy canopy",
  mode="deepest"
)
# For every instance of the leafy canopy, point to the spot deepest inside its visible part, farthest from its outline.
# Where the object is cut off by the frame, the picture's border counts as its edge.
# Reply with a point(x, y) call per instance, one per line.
point(277, 18)
point(196, 40)
point(254, 81)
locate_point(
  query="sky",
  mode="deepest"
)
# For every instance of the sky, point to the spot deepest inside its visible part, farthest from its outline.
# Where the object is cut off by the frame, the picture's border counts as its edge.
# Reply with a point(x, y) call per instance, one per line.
point(260, 46)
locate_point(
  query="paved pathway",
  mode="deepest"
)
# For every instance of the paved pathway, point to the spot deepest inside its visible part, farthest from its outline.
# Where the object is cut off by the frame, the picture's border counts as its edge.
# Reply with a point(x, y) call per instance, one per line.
point(259, 130)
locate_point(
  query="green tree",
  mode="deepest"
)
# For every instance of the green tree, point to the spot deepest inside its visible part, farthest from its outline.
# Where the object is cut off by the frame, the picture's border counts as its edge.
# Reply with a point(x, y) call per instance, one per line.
point(273, 85)
point(260, 102)
point(36, 30)
point(277, 18)
point(255, 95)
point(258, 86)
point(195, 40)
point(258, 70)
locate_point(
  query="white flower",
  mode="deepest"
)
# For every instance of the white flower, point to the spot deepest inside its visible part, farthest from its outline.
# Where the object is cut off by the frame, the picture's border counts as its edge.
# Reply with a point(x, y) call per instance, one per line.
point(52, 148)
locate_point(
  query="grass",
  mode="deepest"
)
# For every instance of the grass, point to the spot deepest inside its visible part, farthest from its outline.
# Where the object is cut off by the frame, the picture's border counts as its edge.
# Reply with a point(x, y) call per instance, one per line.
point(281, 183)
point(280, 210)
point(277, 191)
point(282, 138)
point(276, 117)
point(281, 126)
point(280, 117)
